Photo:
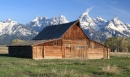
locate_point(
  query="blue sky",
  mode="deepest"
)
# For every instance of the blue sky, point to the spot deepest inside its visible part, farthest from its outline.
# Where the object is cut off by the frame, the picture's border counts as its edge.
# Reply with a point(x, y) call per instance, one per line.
point(24, 11)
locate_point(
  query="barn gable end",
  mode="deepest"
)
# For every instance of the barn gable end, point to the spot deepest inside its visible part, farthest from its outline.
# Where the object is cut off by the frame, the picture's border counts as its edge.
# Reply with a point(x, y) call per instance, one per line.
point(74, 32)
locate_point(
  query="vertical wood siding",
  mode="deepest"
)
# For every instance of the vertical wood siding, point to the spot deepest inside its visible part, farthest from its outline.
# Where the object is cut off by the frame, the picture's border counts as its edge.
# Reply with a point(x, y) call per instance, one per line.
point(52, 52)
point(75, 32)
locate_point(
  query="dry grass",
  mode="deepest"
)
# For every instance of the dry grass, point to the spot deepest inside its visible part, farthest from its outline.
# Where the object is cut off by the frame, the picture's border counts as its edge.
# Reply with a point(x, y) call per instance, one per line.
point(3, 50)
point(67, 73)
point(54, 70)
point(120, 54)
point(128, 66)
point(110, 69)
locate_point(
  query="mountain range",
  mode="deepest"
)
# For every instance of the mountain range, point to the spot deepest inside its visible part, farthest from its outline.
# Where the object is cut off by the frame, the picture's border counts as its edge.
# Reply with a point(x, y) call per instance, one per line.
point(97, 28)
point(100, 29)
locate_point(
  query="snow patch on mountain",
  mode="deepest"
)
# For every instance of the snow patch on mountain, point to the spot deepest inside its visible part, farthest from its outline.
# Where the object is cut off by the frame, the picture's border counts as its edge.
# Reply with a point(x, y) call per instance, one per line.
point(40, 22)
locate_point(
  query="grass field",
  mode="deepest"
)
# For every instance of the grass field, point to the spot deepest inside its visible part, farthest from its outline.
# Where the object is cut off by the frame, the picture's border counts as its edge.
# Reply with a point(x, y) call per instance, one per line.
point(117, 66)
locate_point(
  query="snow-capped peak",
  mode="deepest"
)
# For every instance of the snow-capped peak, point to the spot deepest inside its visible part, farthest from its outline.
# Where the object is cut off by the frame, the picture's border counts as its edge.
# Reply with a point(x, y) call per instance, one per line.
point(117, 21)
point(39, 18)
point(99, 19)
point(62, 19)
point(40, 22)
point(10, 21)
point(116, 27)
point(62, 16)
point(91, 23)
point(7, 26)
point(85, 16)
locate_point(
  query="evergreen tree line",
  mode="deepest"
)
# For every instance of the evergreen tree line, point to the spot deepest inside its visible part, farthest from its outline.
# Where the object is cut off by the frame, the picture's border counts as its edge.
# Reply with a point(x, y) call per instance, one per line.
point(118, 44)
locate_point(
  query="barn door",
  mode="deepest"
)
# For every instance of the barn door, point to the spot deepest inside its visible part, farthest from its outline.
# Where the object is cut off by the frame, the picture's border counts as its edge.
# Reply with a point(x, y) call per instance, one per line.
point(39, 52)
point(67, 52)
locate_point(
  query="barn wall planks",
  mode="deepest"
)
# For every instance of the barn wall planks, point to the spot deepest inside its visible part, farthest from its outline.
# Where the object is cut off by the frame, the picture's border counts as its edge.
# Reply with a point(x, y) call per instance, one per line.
point(75, 49)
point(95, 53)
point(52, 52)
point(84, 49)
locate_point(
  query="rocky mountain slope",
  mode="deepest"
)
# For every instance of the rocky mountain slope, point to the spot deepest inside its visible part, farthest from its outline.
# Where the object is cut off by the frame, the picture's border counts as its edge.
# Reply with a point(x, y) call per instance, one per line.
point(100, 29)
point(13, 30)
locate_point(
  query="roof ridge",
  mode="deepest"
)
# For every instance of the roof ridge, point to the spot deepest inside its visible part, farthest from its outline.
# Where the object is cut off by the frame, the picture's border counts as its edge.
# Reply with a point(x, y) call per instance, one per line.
point(62, 23)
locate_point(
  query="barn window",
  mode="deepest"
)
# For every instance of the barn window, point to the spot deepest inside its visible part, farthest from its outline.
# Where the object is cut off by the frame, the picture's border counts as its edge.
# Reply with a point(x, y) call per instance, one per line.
point(80, 47)
point(56, 43)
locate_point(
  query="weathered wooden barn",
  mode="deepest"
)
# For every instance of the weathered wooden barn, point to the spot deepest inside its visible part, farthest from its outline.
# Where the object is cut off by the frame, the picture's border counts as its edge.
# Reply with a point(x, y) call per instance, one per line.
point(61, 41)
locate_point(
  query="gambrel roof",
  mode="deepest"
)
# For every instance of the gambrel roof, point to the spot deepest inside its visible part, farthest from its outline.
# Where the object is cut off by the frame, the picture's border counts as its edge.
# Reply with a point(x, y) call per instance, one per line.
point(54, 31)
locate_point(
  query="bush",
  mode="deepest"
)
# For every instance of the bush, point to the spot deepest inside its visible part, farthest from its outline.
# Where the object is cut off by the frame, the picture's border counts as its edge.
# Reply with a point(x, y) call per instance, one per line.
point(110, 69)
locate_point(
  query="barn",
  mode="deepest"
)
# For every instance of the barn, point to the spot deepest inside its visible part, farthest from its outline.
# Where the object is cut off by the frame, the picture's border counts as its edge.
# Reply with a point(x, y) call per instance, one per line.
point(67, 41)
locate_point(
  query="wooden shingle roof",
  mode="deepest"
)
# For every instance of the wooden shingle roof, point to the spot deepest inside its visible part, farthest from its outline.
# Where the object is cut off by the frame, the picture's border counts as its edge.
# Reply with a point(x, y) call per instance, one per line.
point(54, 31)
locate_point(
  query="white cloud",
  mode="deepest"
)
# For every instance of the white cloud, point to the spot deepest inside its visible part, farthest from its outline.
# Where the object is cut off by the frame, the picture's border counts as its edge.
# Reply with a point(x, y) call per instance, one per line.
point(89, 9)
